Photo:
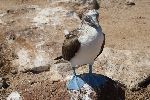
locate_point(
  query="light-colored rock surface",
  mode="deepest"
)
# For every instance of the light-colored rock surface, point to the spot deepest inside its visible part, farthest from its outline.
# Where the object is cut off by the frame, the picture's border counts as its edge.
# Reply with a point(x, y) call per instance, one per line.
point(51, 16)
point(14, 96)
point(32, 46)
point(1, 15)
point(126, 66)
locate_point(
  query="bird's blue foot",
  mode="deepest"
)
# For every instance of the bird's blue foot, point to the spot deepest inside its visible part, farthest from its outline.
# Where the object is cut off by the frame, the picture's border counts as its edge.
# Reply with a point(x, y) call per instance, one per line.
point(75, 83)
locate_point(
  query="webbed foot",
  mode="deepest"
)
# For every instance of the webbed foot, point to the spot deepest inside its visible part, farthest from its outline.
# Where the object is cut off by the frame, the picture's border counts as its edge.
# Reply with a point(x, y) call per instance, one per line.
point(75, 83)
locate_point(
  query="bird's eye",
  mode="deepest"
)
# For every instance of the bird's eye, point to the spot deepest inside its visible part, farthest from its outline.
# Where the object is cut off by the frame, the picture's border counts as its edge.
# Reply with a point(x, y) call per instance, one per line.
point(87, 19)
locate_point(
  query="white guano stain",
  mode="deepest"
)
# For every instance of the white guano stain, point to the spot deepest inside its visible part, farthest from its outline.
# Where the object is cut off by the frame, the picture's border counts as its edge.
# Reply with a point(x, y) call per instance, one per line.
point(49, 15)
point(14, 96)
point(52, 16)
point(23, 57)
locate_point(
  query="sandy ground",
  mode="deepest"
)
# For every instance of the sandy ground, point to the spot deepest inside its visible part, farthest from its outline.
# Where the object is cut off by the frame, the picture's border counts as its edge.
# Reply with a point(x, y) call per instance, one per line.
point(126, 28)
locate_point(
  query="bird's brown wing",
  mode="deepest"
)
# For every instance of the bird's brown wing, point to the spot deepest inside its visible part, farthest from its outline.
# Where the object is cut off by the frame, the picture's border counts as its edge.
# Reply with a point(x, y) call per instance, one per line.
point(70, 46)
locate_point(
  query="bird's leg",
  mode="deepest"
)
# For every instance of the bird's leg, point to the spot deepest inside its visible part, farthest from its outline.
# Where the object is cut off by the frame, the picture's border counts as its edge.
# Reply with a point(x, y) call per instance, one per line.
point(90, 68)
point(90, 78)
point(74, 71)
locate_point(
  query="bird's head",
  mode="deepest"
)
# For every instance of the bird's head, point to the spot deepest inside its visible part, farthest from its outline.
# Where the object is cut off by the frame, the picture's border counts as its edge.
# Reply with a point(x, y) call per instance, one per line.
point(91, 18)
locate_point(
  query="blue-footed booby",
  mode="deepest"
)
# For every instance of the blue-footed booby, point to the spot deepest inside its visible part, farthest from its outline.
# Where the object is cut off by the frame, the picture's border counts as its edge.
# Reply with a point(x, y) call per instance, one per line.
point(83, 45)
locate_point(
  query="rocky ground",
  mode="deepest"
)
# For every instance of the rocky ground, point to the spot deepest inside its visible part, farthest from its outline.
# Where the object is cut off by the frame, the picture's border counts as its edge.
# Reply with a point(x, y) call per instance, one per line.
point(31, 37)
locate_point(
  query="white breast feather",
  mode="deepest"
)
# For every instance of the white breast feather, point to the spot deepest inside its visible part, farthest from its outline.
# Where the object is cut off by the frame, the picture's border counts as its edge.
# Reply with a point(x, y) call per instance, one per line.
point(91, 43)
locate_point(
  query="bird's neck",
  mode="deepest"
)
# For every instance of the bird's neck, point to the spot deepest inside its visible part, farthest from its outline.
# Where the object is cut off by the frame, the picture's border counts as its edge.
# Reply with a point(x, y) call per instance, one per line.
point(97, 27)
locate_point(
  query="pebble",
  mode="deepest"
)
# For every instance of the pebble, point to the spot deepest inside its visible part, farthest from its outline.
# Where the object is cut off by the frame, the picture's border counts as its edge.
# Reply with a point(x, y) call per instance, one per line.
point(14, 96)
point(130, 2)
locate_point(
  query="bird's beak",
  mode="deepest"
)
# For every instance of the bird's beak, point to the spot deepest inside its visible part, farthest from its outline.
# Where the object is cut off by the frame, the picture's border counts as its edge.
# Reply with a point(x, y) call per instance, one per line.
point(95, 20)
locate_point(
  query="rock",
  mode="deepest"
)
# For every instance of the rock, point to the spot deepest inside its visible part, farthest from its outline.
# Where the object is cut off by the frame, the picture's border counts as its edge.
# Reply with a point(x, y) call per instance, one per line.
point(130, 2)
point(25, 63)
point(128, 67)
point(5, 83)
point(55, 76)
point(1, 83)
point(14, 71)
point(39, 69)
point(144, 83)
point(63, 68)
point(60, 70)
point(1, 15)
point(14, 96)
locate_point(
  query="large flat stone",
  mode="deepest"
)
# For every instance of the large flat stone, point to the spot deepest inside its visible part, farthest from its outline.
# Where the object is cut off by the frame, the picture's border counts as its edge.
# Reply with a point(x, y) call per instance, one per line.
point(128, 67)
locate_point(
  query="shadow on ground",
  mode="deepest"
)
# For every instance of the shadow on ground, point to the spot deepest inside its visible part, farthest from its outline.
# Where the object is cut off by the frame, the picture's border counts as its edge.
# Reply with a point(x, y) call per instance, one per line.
point(106, 88)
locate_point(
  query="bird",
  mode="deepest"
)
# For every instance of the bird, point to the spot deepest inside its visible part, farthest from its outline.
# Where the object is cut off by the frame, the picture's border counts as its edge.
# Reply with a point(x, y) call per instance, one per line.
point(83, 45)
